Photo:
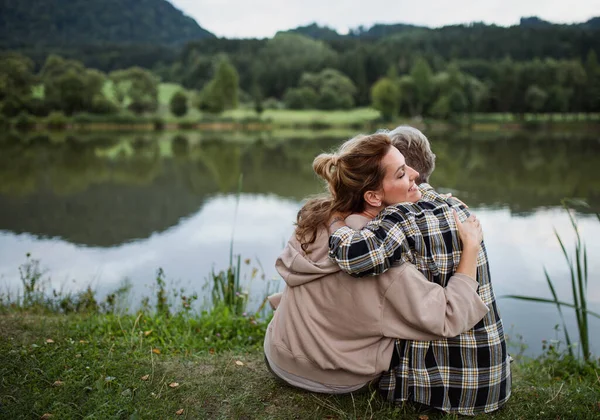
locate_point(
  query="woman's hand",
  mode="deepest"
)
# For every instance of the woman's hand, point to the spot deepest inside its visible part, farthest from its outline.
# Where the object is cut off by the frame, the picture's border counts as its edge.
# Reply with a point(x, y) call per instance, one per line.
point(470, 232)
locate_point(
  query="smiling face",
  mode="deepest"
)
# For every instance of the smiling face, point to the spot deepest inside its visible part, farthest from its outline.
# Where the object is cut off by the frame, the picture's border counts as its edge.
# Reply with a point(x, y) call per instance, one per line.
point(399, 184)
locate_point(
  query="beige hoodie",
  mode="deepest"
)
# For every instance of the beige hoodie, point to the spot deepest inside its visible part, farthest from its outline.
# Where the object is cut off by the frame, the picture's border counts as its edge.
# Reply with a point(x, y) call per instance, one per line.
point(338, 330)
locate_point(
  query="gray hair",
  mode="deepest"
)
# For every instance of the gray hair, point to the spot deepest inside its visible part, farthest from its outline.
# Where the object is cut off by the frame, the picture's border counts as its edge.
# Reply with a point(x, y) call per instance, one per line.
point(415, 147)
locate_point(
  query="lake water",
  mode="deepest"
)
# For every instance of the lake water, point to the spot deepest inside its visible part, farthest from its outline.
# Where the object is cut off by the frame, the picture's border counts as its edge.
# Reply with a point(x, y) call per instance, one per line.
point(98, 210)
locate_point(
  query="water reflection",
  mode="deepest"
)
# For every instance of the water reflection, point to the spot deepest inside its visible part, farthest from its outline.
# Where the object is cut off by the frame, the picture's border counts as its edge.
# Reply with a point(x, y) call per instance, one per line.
point(96, 212)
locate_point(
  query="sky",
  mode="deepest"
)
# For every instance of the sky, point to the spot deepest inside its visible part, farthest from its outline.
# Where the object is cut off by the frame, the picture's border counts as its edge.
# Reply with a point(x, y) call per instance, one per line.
point(263, 18)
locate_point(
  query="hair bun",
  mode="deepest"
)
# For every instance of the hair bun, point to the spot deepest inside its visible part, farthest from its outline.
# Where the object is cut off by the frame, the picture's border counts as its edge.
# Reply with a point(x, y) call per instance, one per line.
point(324, 165)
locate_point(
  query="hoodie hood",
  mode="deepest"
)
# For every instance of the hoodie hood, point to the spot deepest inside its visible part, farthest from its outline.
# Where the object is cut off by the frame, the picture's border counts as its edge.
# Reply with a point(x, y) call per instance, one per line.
point(298, 267)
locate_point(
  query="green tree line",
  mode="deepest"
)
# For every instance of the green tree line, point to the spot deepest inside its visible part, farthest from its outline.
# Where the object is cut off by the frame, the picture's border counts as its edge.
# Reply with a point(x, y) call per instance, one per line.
point(409, 73)
point(65, 87)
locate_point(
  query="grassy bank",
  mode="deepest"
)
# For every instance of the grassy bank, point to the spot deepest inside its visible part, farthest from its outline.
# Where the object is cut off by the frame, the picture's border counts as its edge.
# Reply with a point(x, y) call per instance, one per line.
point(145, 366)
point(246, 119)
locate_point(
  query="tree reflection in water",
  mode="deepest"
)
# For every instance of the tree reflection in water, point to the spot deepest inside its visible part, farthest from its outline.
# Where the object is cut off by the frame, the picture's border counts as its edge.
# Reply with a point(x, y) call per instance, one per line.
point(115, 188)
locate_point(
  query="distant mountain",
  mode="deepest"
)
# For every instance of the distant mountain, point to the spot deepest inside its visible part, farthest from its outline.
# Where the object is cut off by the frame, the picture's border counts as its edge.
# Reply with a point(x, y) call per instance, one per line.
point(534, 22)
point(93, 22)
point(593, 23)
point(316, 32)
point(376, 31)
point(382, 30)
point(379, 30)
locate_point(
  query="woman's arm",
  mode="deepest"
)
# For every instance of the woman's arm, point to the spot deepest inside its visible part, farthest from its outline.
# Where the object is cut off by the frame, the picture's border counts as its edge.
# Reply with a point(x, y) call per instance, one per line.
point(415, 308)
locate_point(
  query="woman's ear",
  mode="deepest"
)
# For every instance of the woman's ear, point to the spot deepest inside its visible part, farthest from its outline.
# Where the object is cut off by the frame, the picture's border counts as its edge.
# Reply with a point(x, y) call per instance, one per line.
point(373, 198)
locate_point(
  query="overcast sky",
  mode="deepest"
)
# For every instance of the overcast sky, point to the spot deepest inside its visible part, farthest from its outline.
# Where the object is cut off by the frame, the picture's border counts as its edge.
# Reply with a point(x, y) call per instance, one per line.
point(263, 18)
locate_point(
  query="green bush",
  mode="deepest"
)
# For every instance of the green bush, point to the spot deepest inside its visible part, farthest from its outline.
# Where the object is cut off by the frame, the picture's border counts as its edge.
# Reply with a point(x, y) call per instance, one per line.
point(57, 121)
point(179, 104)
point(4, 122)
point(24, 121)
point(272, 103)
point(301, 98)
point(104, 106)
point(127, 117)
point(11, 107)
point(38, 107)
point(158, 123)
point(85, 118)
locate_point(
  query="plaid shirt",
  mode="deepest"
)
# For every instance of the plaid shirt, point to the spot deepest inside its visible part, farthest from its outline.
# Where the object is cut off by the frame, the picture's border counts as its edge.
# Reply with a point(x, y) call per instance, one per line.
point(468, 374)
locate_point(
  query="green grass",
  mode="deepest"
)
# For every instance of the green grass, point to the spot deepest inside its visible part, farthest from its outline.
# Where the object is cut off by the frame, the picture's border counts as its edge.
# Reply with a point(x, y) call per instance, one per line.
point(103, 366)
point(304, 117)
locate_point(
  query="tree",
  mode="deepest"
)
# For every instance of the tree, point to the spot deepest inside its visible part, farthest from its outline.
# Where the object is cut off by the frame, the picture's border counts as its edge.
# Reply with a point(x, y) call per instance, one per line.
point(227, 82)
point(301, 98)
point(16, 81)
point(70, 87)
point(211, 99)
point(457, 101)
point(592, 69)
point(441, 107)
point(408, 96)
point(289, 56)
point(385, 98)
point(179, 104)
point(222, 91)
point(475, 93)
point(558, 99)
point(535, 98)
point(328, 89)
point(421, 76)
point(137, 88)
point(257, 99)
point(505, 82)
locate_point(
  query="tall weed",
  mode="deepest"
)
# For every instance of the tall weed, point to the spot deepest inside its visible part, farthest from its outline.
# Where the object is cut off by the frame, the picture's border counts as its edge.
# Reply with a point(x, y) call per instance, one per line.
point(578, 269)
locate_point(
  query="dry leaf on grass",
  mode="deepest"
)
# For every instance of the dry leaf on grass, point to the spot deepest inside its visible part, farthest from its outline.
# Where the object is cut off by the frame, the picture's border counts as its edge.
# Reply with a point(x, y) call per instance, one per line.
point(49, 341)
point(239, 363)
point(58, 383)
point(179, 412)
point(156, 351)
point(83, 342)
point(46, 416)
point(147, 333)
point(173, 385)
point(145, 377)
point(423, 417)
point(78, 355)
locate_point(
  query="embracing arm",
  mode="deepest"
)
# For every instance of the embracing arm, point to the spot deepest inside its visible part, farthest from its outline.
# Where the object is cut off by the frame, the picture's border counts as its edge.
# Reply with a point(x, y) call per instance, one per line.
point(414, 308)
point(381, 242)
point(371, 250)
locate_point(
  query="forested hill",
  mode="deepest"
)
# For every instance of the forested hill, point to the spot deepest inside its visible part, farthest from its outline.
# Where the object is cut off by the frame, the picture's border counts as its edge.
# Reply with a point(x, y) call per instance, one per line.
point(379, 30)
point(87, 22)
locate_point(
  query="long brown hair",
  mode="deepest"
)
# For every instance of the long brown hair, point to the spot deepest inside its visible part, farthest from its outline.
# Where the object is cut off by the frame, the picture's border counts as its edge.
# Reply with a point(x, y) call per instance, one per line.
point(350, 172)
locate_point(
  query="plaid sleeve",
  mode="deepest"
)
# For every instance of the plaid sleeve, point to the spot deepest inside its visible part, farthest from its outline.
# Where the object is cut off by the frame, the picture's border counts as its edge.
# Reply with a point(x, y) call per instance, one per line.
point(373, 249)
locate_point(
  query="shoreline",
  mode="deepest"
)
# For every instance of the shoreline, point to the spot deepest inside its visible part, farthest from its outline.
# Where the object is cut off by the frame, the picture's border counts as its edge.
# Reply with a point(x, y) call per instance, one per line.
point(316, 126)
